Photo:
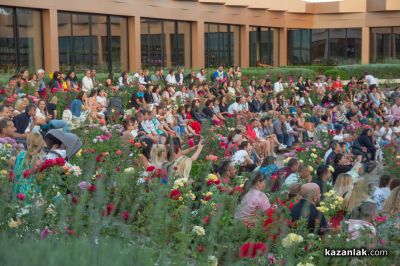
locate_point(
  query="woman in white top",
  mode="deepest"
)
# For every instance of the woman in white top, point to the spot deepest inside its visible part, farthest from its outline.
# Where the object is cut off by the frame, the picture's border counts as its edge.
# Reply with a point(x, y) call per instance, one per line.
point(87, 82)
point(155, 94)
point(101, 100)
point(242, 157)
point(171, 77)
point(43, 119)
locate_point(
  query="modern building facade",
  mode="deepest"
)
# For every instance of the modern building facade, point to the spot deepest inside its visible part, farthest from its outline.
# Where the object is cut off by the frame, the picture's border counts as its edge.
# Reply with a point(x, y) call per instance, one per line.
point(118, 35)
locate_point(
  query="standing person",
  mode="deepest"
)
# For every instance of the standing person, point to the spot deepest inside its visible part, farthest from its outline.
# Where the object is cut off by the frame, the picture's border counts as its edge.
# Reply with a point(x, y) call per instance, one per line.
point(87, 82)
point(30, 160)
point(253, 200)
point(371, 80)
point(278, 87)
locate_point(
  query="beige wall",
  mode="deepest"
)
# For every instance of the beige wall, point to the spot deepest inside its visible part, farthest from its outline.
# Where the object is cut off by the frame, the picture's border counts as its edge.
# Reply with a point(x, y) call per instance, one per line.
point(282, 14)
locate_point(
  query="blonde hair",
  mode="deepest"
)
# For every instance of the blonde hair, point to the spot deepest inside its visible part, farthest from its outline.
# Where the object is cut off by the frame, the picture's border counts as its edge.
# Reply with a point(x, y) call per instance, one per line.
point(358, 194)
point(392, 203)
point(183, 167)
point(54, 100)
point(35, 144)
point(343, 184)
point(20, 102)
point(158, 155)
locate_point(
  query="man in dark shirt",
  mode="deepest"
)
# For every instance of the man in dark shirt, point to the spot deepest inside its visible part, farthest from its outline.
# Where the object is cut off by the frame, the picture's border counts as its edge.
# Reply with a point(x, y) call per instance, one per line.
point(305, 209)
point(323, 176)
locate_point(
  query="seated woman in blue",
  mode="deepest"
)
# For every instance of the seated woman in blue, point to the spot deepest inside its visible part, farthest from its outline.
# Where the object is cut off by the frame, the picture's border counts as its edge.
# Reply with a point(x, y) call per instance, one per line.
point(268, 166)
point(79, 106)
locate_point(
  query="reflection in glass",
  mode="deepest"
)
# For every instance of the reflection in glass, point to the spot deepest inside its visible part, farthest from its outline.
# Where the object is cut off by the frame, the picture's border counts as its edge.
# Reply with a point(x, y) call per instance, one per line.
point(298, 47)
point(222, 44)
point(381, 44)
point(319, 46)
point(396, 42)
point(8, 59)
point(29, 38)
point(339, 50)
point(119, 44)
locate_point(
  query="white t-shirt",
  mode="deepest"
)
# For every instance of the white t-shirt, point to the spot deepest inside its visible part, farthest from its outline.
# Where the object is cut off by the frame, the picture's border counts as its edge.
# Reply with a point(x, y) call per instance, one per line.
point(379, 196)
point(201, 77)
point(291, 179)
point(87, 84)
point(51, 155)
point(382, 133)
point(101, 100)
point(370, 79)
point(231, 91)
point(170, 79)
point(278, 87)
point(233, 108)
point(239, 157)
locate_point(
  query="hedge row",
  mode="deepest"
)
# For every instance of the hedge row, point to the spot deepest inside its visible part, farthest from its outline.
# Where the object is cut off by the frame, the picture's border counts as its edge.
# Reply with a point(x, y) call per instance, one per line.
point(381, 71)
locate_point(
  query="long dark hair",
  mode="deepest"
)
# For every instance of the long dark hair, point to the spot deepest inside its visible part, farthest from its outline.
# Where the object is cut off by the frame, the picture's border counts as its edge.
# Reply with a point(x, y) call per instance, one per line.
point(253, 179)
point(79, 96)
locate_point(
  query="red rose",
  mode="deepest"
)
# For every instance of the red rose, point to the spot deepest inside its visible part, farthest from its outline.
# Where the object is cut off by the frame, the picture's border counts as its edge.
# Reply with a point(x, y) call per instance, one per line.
point(26, 173)
point(200, 248)
point(118, 169)
point(161, 173)
point(125, 215)
point(252, 250)
point(206, 220)
point(207, 197)
point(118, 152)
point(98, 158)
point(138, 144)
point(238, 189)
point(150, 168)
point(11, 176)
point(74, 200)
point(92, 188)
point(109, 208)
point(21, 196)
point(175, 194)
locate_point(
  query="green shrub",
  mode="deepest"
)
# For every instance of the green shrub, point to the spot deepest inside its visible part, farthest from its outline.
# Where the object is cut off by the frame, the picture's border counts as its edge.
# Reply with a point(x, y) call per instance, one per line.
point(337, 72)
point(381, 71)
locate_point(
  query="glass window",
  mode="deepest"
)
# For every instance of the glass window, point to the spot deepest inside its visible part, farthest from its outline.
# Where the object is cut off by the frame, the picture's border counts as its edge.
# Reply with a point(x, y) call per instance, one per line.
point(353, 46)
point(81, 42)
point(92, 41)
point(338, 46)
point(20, 39)
point(171, 43)
point(119, 44)
point(381, 44)
point(299, 47)
point(65, 41)
point(100, 43)
point(29, 38)
point(8, 51)
point(253, 53)
point(319, 46)
point(222, 44)
point(234, 53)
point(274, 43)
point(183, 51)
point(396, 42)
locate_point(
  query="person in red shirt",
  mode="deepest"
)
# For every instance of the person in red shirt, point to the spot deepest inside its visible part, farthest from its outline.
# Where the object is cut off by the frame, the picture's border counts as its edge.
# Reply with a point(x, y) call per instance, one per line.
point(337, 85)
point(261, 146)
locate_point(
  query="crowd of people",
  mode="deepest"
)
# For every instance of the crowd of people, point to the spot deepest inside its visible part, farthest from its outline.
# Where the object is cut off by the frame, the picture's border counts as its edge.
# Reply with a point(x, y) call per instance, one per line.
point(269, 116)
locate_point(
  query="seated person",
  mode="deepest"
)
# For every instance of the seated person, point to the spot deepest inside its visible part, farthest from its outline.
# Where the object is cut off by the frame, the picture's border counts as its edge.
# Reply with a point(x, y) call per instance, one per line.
point(242, 157)
point(306, 209)
point(252, 200)
point(361, 224)
point(57, 148)
point(25, 122)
